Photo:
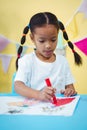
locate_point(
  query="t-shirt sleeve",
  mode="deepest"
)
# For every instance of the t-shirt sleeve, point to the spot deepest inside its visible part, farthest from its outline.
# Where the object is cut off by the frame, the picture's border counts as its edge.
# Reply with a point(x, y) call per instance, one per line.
point(69, 79)
point(23, 71)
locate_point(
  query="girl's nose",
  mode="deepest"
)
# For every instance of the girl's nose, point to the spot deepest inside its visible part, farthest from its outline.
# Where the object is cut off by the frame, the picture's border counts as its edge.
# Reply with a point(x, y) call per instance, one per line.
point(48, 45)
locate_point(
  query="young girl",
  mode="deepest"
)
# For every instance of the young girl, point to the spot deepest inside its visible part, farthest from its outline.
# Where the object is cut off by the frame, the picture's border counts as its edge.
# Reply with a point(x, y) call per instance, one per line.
point(43, 63)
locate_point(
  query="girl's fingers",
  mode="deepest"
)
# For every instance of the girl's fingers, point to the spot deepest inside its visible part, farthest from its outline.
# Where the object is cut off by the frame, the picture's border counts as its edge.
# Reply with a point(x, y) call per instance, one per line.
point(69, 92)
point(62, 91)
point(50, 92)
point(47, 93)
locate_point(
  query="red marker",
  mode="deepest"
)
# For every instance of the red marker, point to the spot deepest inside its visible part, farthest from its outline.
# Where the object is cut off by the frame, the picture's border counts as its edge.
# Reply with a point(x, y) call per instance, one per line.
point(49, 85)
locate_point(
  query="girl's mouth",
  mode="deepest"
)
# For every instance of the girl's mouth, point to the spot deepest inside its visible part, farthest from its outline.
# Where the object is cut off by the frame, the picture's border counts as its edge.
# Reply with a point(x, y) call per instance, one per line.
point(49, 52)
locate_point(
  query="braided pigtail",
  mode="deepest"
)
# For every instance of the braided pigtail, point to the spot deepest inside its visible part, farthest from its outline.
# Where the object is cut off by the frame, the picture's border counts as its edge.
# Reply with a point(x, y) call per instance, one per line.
point(77, 57)
point(20, 49)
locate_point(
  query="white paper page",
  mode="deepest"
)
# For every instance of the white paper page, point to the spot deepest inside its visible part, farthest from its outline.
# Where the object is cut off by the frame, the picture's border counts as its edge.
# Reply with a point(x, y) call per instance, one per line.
point(19, 106)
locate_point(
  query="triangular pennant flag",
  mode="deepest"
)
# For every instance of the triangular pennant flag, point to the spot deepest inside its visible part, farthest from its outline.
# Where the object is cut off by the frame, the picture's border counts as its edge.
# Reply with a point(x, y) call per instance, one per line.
point(72, 27)
point(3, 42)
point(17, 46)
point(82, 45)
point(5, 61)
point(60, 44)
point(61, 48)
point(83, 8)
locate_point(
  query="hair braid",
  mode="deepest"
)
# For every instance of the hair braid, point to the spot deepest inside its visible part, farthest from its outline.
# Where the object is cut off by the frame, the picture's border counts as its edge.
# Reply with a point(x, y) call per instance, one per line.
point(20, 49)
point(77, 57)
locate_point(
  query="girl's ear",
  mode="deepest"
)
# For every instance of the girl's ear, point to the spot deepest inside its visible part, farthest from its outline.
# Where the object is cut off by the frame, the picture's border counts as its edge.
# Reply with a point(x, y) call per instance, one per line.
point(32, 37)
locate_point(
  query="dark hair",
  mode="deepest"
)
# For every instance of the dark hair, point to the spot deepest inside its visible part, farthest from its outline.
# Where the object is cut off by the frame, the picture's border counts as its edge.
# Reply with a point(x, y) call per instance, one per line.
point(40, 19)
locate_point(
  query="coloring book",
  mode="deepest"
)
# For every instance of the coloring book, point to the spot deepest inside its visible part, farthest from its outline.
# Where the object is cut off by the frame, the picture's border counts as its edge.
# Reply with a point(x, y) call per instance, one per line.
point(17, 105)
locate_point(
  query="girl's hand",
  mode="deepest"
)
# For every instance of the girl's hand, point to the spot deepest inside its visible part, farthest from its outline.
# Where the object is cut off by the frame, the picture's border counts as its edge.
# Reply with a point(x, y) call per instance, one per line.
point(69, 91)
point(47, 94)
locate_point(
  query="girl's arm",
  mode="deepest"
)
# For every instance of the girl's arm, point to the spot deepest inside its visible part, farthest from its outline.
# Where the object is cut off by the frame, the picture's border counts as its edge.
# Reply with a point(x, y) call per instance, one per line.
point(25, 91)
point(69, 90)
point(44, 95)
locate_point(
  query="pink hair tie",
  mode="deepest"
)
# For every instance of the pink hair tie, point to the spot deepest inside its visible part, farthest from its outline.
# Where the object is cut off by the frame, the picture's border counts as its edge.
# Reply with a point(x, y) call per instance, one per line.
point(73, 50)
point(18, 55)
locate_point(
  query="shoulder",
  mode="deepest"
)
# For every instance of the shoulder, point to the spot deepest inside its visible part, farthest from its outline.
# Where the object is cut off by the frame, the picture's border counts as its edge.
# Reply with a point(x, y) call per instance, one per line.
point(27, 56)
point(61, 58)
point(26, 59)
point(63, 62)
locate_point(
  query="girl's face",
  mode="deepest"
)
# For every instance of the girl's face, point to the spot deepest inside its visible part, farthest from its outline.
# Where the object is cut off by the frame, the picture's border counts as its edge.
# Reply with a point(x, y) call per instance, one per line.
point(45, 40)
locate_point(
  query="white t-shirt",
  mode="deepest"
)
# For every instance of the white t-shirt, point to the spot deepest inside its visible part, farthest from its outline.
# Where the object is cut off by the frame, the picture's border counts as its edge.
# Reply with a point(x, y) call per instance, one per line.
point(33, 72)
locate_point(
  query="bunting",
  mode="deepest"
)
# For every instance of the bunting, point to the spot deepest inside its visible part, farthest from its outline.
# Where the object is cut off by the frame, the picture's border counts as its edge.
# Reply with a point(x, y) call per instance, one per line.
point(82, 45)
point(60, 44)
point(83, 8)
point(3, 42)
point(61, 48)
point(72, 27)
point(76, 27)
point(6, 59)
point(75, 23)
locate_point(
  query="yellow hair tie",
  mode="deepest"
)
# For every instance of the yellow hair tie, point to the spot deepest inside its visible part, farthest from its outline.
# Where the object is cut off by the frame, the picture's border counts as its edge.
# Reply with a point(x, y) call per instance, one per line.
point(24, 34)
point(68, 40)
point(64, 30)
point(21, 44)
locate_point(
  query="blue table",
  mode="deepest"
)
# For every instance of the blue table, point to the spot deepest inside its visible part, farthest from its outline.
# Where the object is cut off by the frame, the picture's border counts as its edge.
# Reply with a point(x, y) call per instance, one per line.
point(27, 122)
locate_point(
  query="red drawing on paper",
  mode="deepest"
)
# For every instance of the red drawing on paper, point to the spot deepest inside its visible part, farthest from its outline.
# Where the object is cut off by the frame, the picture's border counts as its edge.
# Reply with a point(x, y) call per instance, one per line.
point(64, 101)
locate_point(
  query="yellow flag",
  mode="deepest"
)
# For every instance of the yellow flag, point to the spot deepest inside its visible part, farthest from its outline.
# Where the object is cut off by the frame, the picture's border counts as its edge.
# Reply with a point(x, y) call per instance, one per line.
point(72, 28)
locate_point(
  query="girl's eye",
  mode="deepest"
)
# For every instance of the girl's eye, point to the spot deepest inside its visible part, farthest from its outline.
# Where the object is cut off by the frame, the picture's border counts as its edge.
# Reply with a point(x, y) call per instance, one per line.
point(42, 41)
point(53, 40)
